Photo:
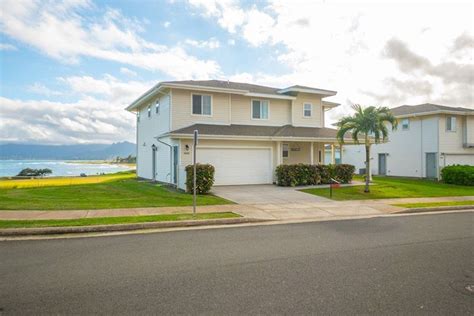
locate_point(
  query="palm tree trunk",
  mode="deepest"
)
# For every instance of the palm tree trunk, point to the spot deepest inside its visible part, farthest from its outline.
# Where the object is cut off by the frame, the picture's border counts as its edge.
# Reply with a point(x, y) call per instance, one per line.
point(367, 167)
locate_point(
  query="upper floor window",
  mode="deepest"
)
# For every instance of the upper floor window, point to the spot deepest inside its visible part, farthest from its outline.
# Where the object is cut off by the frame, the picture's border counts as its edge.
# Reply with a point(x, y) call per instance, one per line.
point(157, 107)
point(201, 104)
point(451, 123)
point(260, 109)
point(149, 111)
point(307, 110)
point(138, 116)
point(405, 124)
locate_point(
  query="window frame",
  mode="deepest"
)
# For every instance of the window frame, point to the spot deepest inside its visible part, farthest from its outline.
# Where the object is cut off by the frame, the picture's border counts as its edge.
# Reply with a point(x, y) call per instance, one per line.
point(268, 109)
point(408, 125)
point(202, 104)
point(157, 107)
point(288, 150)
point(452, 119)
point(310, 109)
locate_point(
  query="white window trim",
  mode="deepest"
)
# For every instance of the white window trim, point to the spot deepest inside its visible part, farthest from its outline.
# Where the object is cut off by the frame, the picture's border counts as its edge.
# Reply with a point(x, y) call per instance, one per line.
point(455, 124)
point(201, 115)
point(251, 110)
point(408, 128)
point(311, 109)
point(283, 145)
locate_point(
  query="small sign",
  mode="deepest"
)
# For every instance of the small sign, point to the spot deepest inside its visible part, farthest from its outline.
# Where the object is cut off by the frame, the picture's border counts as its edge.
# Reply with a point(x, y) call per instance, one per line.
point(195, 138)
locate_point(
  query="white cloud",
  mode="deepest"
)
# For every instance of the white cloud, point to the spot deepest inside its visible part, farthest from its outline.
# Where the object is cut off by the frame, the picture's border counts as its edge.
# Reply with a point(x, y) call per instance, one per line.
point(98, 115)
point(231, 42)
point(128, 72)
point(4, 46)
point(211, 43)
point(343, 46)
point(59, 30)
point(41, 89)
point(167, 24)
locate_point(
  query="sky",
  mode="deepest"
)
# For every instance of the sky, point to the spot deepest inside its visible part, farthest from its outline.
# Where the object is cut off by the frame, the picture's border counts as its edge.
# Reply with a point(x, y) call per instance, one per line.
point(69, 68)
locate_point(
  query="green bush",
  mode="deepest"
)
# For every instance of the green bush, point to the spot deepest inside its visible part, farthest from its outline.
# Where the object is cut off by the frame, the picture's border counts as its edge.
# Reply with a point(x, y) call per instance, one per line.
point(458, 174)
point(305, 174)
point(204, 178)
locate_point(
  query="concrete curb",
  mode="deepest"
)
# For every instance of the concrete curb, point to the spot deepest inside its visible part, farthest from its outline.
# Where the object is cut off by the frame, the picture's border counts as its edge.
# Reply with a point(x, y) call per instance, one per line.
point(11, 232)
point(434, 209)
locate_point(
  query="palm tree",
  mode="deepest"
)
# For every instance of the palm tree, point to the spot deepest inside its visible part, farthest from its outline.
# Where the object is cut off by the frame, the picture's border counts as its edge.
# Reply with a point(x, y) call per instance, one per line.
point(371, 123)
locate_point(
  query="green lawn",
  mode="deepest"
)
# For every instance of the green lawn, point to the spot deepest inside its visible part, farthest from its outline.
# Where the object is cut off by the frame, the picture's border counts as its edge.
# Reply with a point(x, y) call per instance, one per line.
point(387, 188)
point(111, 220)
point(114, 193)
point(434, 204)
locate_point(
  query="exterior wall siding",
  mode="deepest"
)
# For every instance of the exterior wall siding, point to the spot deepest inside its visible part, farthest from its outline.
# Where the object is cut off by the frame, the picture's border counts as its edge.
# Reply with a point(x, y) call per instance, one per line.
point(279, 111)
point(298, 118)
point(451, 142)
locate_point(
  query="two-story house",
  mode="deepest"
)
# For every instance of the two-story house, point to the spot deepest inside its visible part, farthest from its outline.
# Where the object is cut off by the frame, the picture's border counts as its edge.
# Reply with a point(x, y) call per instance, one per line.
point(245, 130)
point(428, 138)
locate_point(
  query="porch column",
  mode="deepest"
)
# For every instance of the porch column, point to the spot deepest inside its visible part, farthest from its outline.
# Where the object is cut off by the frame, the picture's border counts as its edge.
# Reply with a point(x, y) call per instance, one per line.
point(312, 154)
point(333, 155)
point(278, 160)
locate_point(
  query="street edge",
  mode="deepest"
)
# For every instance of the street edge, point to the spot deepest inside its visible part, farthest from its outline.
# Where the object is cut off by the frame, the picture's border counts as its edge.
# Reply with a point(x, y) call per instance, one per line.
point(434, 209)
point(14, 232)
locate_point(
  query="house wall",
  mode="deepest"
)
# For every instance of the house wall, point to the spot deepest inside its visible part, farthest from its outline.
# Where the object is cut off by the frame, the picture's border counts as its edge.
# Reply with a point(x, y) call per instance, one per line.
point(147, 129)
point(279, 113)
point(317, 114)
point(406, 149)
point(451, 142)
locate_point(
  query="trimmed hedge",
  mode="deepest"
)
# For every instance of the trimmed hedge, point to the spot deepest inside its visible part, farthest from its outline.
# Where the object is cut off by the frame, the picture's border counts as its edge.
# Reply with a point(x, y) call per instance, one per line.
point(458, 174)
point(204, 178)
point(305, 174)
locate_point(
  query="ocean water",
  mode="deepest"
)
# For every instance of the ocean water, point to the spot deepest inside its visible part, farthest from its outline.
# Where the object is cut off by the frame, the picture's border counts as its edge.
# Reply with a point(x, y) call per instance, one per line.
point(59, 167)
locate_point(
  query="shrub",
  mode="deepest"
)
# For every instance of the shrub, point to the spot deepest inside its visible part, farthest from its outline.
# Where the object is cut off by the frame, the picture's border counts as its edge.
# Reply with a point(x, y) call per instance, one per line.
point(343, 173)
point(204, 178)
point(28, 172)
point(305, 174)
point(458, 174)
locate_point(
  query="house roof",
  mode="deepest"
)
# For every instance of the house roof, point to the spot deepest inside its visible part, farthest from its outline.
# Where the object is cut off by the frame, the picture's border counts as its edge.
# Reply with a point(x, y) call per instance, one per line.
point(427, 109)
point(259, 131)
point(233, 87)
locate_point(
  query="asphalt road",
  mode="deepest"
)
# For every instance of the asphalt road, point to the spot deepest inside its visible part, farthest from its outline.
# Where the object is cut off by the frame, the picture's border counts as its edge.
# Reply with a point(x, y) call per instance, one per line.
point(396, 265)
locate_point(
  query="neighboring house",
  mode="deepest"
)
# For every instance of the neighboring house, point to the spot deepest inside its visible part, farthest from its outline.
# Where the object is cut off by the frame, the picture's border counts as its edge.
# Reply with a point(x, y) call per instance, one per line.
point(245, 130)
point(428, 137)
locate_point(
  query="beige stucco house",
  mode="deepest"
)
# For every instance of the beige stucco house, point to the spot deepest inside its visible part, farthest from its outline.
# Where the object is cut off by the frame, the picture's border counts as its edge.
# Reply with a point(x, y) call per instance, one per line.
point(245, 130)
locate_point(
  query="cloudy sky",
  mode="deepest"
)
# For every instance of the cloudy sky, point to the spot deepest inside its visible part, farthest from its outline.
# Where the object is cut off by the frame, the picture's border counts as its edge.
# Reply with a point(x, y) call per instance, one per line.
point(68, 68)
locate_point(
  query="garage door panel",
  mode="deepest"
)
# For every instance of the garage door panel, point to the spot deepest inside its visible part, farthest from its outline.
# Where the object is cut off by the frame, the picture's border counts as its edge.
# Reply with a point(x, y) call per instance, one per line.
point(459, 159)
point(238, 165)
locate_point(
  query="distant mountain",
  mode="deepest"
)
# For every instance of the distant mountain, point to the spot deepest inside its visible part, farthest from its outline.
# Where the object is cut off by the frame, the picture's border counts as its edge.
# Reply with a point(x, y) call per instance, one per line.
point(67, 152)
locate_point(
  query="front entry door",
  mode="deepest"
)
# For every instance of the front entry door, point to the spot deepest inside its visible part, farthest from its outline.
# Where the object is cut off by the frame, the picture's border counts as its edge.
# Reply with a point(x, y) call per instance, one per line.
point(175, 164)
point(382, 164)
point(153, 163)
point(431, 165)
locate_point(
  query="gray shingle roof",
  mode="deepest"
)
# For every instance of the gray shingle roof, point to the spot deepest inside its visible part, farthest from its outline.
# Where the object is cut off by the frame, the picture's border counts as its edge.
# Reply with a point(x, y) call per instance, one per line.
point(426, 107)
point(236, 85)
point(259, 131)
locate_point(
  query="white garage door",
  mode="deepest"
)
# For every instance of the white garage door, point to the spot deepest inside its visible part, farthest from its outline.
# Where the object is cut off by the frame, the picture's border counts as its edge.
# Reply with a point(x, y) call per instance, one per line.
point(238, 165)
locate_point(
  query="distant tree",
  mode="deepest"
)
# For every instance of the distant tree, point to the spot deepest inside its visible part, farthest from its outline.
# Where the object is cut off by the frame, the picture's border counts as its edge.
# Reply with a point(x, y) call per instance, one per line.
point(369, 122)
point(28, 172)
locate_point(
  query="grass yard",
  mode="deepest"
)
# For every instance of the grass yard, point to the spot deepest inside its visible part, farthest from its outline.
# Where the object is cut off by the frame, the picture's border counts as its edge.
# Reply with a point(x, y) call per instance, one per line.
point(435, 204)
point(388, 188)
point(64, 181)
point(112, 220)
point(120, 190)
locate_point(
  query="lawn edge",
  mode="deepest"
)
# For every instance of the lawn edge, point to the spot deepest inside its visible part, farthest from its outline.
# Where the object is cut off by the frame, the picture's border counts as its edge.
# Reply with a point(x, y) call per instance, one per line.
point(12, 232)
point(434, 209)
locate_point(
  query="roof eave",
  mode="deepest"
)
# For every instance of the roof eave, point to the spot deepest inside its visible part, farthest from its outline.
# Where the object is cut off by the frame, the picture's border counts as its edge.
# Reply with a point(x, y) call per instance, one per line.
point(433, 113)
point(305, 90)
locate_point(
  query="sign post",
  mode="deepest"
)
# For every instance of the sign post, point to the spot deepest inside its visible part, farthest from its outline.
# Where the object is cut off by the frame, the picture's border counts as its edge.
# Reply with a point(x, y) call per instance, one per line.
point(195, 142)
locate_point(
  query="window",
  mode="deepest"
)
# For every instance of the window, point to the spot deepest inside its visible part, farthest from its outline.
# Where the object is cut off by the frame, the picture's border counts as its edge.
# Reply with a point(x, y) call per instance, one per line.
point(149, 111)
point(285, 151)
point(259, 110)
point(307, 109)
point(157, 107)
point(138, 116)
point(451, 123)
point(201, 104)
point(405, 124)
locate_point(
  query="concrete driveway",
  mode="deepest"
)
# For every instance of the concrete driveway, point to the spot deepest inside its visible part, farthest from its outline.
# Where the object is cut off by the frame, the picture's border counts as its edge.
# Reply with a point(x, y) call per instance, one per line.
point(264, 194)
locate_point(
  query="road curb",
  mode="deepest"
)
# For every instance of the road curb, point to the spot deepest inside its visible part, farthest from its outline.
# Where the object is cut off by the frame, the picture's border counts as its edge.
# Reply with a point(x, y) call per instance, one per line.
point(12, 232)
point(434, 209)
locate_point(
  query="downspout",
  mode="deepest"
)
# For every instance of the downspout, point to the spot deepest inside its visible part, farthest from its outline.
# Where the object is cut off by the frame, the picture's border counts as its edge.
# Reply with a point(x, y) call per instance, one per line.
point(171, 159)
